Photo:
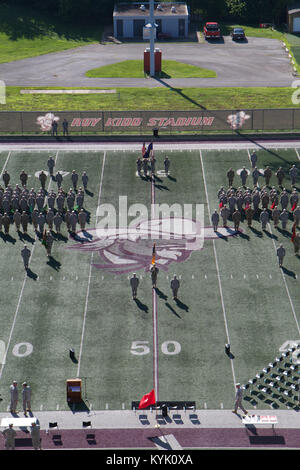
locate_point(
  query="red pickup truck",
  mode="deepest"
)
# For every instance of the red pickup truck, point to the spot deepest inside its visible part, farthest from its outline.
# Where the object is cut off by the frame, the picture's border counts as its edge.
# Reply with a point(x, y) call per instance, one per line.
point(212, 31)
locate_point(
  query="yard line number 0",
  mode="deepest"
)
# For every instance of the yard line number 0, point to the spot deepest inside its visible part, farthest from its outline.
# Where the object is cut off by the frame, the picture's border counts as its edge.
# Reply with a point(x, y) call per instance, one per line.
point(140, 348)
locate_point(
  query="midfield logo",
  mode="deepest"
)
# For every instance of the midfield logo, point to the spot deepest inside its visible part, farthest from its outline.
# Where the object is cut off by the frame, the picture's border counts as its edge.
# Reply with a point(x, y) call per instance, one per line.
point(127, 247)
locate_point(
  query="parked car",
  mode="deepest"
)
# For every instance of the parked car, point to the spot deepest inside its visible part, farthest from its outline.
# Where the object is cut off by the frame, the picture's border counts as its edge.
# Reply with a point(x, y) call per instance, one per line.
point(212, 30)
point(238, 34)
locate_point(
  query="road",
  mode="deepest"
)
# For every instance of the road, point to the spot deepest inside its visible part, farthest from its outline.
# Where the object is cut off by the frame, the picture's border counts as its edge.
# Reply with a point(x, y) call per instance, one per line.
point(258, 62)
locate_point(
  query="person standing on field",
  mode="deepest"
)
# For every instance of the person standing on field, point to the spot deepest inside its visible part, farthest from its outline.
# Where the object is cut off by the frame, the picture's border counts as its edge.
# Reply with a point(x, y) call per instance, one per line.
point(26, 397)
point(14, 396)
point(238, 400)
point(134, 283)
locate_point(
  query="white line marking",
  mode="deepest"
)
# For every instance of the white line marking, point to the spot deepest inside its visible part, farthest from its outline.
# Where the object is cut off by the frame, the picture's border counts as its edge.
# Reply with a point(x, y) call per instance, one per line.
point(90, 273)
point(6, 161)
point(297, 154)
point(20, 297)
point(154, 309)
point(217, 267)
point(286, 286)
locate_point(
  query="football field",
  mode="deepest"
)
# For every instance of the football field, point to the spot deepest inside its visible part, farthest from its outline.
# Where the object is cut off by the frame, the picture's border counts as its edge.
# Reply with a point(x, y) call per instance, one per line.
point(231, 289)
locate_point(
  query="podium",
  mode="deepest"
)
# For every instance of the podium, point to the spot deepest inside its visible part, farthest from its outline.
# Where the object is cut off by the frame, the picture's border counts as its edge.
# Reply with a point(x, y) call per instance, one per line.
point(74, 390)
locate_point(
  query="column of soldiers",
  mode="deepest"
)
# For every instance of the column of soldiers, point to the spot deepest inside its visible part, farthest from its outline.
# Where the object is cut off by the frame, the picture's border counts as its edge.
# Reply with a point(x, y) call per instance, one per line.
point(267, 203)
point(20, 206)
point(143, 169)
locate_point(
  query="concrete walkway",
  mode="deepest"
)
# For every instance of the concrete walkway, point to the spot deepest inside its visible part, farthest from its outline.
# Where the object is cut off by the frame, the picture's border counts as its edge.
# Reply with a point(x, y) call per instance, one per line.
point(127, 419)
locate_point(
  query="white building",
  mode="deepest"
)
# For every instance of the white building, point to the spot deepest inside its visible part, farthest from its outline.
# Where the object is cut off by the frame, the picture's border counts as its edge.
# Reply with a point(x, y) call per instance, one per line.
point(130, 18)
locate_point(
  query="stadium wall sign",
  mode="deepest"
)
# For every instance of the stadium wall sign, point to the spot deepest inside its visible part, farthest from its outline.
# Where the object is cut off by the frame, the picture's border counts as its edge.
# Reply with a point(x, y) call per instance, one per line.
point(93, 122)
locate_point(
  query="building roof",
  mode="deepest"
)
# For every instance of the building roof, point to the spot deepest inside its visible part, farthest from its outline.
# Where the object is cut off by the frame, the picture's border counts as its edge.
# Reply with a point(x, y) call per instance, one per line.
point(294, 8)
point(142, 9)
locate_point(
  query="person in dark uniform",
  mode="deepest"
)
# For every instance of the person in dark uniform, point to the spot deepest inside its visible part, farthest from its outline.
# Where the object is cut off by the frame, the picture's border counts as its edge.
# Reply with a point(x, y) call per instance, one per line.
point(6, 178)
point(267, 175)
point(249, 215)
point(175, 284)
point(167, 165)
point(54, 128)
point(236, 217)
point(154, 272)
point(134, 283)
point(230, 176)
point(65, 125)
point(280, 175)
point(51, 165)
point(43, 178)
point(23, 178)
point(6, 223)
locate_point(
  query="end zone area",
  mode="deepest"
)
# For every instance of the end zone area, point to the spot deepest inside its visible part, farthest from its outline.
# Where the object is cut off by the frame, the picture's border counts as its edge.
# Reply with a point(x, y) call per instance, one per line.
point(232, 290)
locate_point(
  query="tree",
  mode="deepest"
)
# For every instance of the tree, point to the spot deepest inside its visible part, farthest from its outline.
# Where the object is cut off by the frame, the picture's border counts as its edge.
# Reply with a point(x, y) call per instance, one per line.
point(236, 8)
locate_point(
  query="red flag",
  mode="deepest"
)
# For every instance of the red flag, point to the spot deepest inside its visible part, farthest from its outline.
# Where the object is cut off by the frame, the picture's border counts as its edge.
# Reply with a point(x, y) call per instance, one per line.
point(153, 254)
point(273, 205)
point(294, 232)
point(147, 400)
point(294, 206)
point(221, 204)
point(143, 149)
point(247, 206)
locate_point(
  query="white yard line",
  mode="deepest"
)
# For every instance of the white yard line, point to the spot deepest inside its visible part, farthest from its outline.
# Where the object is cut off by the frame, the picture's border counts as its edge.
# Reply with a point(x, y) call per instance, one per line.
point(282, 273)
point(20, 297)
point(90, 274)
point(217, 268)
point(6, 161)
point(286, 286)
point(154, 311)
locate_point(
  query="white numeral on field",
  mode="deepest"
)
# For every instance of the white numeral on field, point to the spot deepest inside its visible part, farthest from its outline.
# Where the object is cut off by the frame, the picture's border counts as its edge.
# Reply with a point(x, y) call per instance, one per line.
point(22, 349)
point(2, 352)
point(140, 348)
point(19, 350)
point(175, 348)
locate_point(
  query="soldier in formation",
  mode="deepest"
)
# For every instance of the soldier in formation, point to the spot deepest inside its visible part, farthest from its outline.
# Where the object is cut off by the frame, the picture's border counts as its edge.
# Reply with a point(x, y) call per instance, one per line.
point(134, 283)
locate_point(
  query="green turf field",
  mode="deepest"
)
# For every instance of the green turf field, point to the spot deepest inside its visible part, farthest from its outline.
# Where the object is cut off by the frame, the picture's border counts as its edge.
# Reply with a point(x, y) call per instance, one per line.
point(231, 291)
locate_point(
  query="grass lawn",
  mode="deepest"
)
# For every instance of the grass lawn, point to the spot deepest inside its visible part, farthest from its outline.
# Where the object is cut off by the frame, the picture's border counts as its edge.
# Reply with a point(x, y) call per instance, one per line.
point(24, 33)
point(154, 98)
point(24, 48)
point(135, 69)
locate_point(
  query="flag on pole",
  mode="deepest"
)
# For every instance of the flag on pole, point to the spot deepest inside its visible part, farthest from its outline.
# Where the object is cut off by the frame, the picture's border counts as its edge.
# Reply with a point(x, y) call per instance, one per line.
point(153, 254)
point(273, 205)
point(294, 206)
point(221, 205)
point(247, 205)
point(293, 232)
point(143, 149)
point(147, 400)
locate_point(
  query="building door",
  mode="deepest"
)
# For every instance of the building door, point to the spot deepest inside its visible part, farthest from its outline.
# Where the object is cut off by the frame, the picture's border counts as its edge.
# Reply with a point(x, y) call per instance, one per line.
point(119, 28)
point(138, 28)
point(181, 28)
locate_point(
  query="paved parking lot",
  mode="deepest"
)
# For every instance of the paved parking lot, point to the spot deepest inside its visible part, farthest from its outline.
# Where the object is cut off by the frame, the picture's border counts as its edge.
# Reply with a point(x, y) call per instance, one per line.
point(257, 62)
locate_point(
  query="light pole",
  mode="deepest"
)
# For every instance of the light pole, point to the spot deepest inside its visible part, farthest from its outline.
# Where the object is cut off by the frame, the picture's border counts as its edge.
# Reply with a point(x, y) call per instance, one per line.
point(152, 27)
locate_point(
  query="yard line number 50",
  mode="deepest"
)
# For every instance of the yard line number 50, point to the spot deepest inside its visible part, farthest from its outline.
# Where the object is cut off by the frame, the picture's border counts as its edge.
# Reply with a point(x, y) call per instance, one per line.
point(140, 348)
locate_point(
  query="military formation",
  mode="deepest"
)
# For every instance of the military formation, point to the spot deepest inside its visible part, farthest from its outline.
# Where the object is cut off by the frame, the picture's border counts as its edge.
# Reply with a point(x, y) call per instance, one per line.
point(46, 211)
point(267, 204)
